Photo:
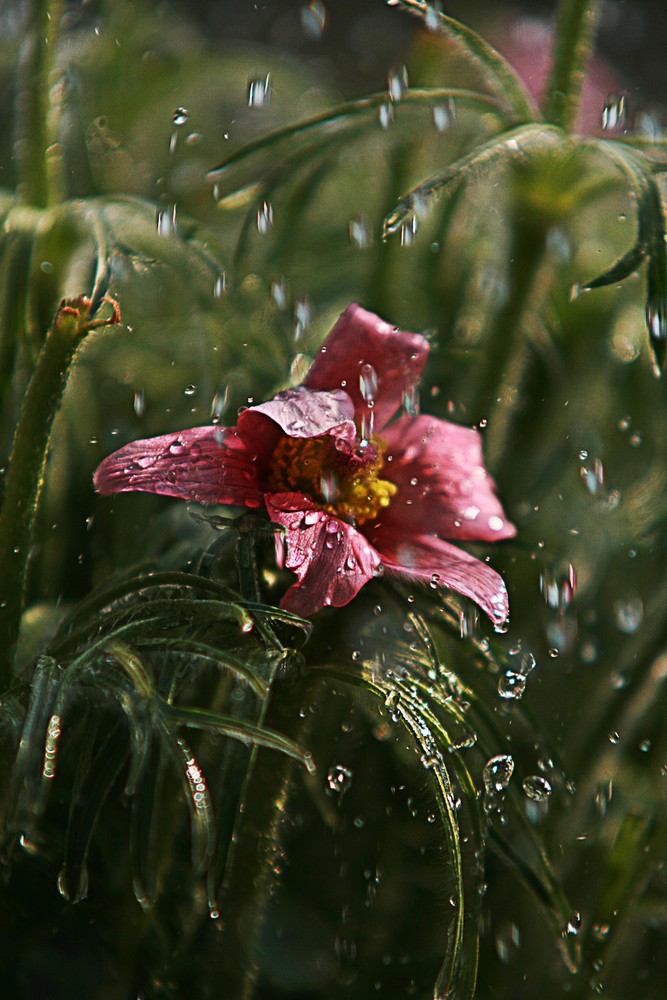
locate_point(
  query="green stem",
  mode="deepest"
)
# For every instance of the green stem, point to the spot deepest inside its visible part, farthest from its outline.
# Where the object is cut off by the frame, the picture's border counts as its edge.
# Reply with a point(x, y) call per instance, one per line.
point(507, 355)
point(576, 22)
point(38, 154)
point(27, 464)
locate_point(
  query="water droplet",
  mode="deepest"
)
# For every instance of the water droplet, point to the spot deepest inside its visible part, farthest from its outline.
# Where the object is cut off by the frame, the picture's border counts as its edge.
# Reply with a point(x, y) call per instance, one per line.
point(166, 221)
point(190, 390)
point(279, 293)
point(367, 424)
point(310, 518)
point(386, 115)
point(359, 231)
point(592, 475)
point(497, 773)
point(368, 382)
point(304, 310)
point(339, 779)
point(443, 115)
point(496, 523)
point(51, 747)
point(220, 286)
point(313, 19)
point(264, 218)
point(180, 117)
point(574, 923)
point(614, 112)
point(410, 400)
point(397, 83)
point(259, 91)
point(408, 230)
point(527, 664)
point(511, 685)
point(644, 745)
point(614, 738)
point(536, 787)
point(600, 931)
point(656, 321)
point(139, 403)
point(176, 447)
point(628, 614)
point(220, 403)
point(558, 585)
point(330, 490)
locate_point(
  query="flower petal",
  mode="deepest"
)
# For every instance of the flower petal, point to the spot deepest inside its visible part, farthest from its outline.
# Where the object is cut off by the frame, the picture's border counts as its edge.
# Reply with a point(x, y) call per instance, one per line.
point(429, 558)
point(439, 470)
point(361, 338)
point(206, 464)
point(331, 559)
point(299, 413)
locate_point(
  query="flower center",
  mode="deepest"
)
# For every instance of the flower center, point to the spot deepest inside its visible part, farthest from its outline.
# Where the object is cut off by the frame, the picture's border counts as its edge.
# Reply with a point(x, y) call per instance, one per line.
point(347, 485)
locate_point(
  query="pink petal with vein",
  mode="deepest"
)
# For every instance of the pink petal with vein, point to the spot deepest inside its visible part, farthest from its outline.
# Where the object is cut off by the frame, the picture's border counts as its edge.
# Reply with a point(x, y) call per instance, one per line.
point(206, 464)
point(360, 338)
point(439, 470)
point(331, 559)
point(432, 560)
point(299, 413)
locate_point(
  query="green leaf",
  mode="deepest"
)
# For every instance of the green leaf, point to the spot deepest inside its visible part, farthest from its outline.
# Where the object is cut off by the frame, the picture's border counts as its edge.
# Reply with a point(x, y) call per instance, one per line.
point(500, 74)
point(511, 144)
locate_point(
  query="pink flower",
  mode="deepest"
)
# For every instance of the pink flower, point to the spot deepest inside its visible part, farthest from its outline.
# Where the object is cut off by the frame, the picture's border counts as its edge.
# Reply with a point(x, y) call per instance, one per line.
point(355, 494)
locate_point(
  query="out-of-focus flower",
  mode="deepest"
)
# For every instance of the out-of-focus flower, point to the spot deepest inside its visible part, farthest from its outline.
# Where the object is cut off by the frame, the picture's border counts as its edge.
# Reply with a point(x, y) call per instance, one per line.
point(355, 494)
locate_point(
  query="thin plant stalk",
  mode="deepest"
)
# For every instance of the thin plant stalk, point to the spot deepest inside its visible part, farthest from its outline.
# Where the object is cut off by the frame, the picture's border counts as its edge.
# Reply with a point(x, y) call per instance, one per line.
point(38, 153)
point(574, 37)
point(26, 472)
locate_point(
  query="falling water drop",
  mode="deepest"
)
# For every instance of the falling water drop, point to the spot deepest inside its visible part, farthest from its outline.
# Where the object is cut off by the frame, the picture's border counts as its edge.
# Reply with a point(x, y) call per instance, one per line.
point(314, 18)
point(264, 218)
point(443, 115)
point(397, 83)
point(166, 221)
point(368, 382)
point(259, 91)
point(614, 112)
point(139, 403)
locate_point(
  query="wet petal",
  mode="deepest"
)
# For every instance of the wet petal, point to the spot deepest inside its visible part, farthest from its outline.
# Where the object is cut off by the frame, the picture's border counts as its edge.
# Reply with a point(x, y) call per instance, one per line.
point(331, 559)
point(395, 358)
point(439, 470)
point(429, 558)
point(299, 413)
point(206, 464)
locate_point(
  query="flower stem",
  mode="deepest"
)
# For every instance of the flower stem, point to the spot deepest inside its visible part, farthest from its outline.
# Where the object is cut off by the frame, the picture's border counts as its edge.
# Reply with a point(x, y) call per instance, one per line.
point(38, 154)
point(508, 351)
point(25, 476)
point(576, 22)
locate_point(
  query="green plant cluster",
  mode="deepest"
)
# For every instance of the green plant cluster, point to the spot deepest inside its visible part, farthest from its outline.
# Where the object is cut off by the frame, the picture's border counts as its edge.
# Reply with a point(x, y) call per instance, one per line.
point(203, 795)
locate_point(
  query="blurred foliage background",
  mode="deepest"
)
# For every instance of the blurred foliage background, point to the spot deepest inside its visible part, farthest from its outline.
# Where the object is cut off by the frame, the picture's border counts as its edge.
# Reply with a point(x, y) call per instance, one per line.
point(350, 881)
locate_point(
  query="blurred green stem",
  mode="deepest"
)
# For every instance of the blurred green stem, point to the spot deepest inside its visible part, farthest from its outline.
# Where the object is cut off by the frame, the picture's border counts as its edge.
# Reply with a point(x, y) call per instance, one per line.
point(27, 463)
point(38, 154)
point(508, 351)
point(574, 37)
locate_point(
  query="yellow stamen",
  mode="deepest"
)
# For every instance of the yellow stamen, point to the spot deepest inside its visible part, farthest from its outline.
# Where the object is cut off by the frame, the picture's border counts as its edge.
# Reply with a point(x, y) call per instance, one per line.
point(337, 483)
